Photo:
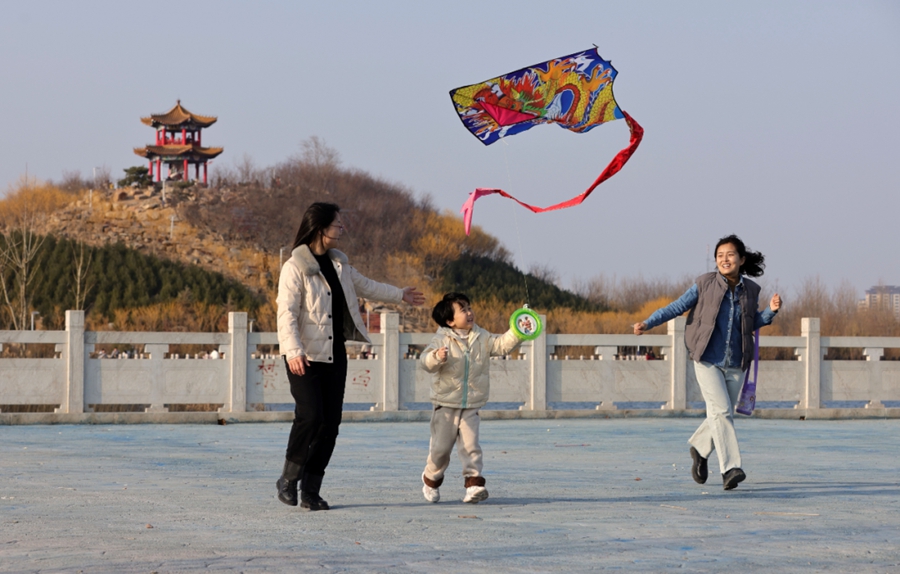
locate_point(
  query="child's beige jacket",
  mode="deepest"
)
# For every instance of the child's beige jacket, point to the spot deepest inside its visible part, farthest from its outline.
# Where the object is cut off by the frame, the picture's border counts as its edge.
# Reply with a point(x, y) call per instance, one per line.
point(463, 381)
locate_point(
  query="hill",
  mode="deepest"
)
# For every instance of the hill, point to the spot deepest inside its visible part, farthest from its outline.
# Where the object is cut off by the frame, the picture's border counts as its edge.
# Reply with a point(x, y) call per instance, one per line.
point(241, 227)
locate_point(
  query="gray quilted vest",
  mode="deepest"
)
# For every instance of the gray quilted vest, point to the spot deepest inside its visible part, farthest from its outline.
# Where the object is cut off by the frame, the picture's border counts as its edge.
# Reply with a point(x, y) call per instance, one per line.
point(701, 321)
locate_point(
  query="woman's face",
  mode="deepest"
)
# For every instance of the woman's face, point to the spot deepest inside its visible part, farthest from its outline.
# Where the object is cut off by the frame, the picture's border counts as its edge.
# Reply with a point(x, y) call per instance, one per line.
point(728, 261)
point(331, 235)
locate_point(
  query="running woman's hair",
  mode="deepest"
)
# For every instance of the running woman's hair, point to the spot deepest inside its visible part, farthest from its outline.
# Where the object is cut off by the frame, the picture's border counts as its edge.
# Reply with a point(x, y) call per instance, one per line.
point(443, 311)
point(754, 261)
point(316, 220)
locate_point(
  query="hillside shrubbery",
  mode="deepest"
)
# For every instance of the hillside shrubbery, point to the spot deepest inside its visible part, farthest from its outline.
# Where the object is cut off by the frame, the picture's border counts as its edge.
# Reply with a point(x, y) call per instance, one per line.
point(118, 279)
point(482, 279)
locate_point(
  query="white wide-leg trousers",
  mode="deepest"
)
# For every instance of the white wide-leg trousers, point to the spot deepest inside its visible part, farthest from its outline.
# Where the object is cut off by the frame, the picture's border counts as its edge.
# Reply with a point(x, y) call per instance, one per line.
point(721, 389)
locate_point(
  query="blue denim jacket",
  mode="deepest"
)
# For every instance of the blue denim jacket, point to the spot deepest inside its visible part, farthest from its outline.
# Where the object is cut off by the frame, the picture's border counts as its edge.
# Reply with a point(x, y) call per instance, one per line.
point(724, 348)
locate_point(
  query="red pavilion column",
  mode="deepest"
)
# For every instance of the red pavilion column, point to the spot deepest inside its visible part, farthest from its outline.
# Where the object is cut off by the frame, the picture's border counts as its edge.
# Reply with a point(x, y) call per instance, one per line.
point(196, 171)
point(204, 173)
point(150, 169)
point(183, 136)
point(185, 171)
point(158, 170)
point(199, 137)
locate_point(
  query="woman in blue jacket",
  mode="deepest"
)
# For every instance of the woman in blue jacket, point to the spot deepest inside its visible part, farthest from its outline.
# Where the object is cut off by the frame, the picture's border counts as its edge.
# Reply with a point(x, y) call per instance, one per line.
point(723, 314)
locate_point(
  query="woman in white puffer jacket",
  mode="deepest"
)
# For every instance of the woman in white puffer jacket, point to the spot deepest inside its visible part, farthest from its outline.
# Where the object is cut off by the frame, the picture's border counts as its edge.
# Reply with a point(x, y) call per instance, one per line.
point(317, 314)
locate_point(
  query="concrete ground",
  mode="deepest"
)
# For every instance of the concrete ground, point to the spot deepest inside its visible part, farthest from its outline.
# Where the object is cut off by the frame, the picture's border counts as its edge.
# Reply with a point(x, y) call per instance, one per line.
point(565, 496)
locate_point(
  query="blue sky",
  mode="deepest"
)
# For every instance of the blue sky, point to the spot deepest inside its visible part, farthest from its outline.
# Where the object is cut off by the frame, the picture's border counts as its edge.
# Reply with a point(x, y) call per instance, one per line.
point(777, 121)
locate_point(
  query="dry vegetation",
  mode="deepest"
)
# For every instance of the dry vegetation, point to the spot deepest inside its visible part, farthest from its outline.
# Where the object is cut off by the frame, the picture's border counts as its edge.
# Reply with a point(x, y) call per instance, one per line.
point(249, 215)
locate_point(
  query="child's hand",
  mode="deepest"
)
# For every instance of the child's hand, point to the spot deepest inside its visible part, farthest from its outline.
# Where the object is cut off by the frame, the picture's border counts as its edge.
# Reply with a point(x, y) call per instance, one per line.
point(442, 354)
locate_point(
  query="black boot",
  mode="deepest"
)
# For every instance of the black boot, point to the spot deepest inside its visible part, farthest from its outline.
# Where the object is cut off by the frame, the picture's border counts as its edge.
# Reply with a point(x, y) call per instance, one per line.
point(287, 484)
point(309, 492)
point(732, 477)
point(699, 469)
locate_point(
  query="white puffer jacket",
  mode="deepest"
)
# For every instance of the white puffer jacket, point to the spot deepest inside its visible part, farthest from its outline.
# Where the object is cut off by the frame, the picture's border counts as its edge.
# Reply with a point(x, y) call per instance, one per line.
point(304, 305)
point(463, 381)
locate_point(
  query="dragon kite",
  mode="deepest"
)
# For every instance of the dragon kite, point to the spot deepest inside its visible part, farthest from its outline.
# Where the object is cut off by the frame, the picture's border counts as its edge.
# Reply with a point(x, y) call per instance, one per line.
point(574, 92)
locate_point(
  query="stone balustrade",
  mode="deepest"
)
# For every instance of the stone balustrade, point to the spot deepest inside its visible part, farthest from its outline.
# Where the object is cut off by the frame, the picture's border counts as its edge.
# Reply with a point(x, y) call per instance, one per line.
point(245, 384)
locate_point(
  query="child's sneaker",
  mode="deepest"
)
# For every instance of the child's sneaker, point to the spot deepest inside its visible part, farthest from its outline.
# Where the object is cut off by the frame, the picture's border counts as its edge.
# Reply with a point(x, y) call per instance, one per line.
point(475, 494)
point(431, 494)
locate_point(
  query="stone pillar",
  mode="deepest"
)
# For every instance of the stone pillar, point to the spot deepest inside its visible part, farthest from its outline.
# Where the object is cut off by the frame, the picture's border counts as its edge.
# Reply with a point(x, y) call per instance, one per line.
point(875, 381)
point(390, 362)
point(157, 354)
point(537, 397)
point(74, 395)
point(812, 354)
point(678, 359)
point(606, 353)
point(236, 398)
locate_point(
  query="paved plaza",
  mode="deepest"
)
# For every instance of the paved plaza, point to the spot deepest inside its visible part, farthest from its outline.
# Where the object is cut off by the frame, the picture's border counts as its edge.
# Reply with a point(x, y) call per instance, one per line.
point(566, 495)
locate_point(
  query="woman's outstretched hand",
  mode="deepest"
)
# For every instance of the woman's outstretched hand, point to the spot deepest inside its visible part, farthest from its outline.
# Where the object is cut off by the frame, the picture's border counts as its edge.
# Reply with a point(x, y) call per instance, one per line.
point(775, 303)
point(639, 328)
point(298, 365)
point(413, 296)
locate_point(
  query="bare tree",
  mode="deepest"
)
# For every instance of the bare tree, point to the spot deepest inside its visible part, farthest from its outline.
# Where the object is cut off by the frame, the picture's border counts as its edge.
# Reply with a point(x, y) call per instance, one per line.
point(72, 182)
point(629, 293)
point(21, 213)
point(247, 171)
point(545, 273)
point(20, 247)
point(102, 177)
point(323, 162)
point(80, 271)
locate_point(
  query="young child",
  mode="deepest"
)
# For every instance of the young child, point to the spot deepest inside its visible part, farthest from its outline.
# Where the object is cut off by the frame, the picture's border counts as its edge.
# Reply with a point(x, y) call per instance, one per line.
point(459, 360)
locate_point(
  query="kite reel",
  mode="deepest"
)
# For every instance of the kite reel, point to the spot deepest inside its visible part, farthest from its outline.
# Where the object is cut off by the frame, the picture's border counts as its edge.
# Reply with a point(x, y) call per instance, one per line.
point(526, 324)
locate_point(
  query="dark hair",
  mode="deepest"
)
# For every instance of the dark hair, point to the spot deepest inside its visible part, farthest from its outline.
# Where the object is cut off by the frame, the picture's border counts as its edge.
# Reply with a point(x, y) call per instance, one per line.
point(316, 220)
point(754, 261)
point(443, 312)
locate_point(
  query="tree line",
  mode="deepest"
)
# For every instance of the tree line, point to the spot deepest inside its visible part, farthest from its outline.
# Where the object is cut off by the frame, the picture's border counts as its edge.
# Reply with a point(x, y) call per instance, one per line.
point(105, 280)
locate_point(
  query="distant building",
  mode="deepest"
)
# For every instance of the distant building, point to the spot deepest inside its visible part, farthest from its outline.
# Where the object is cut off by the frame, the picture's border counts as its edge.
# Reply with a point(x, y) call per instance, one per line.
point(885, 297)
point(178, 144)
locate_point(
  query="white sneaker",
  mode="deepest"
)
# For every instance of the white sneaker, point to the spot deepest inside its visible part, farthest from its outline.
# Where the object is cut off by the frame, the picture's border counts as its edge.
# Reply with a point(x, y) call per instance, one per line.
point(475, 494)
point(431, 494)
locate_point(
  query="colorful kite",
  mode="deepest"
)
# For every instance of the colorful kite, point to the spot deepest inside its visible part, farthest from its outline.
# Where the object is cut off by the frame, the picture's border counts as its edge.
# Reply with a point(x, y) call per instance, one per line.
point(574, 92)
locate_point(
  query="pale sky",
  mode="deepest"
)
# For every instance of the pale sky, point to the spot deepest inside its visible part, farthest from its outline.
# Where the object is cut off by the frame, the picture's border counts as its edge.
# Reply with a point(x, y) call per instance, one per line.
point(774, 120)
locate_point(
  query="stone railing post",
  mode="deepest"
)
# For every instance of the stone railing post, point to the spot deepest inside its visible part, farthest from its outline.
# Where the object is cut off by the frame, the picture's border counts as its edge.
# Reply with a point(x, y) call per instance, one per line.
point(74, 394)
point(812, 354)
point(537, 396)
point(390, 362)
point(678, 367)
point(236, 397)
point(157, 352)
point(876, 383)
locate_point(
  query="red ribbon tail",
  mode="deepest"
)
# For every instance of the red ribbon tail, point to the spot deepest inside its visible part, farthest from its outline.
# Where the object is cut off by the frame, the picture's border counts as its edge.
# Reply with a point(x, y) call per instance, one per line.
point(617, 163)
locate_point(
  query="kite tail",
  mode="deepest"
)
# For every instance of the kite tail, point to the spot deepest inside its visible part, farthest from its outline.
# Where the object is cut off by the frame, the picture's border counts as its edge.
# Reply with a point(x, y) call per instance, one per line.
point(637, 134)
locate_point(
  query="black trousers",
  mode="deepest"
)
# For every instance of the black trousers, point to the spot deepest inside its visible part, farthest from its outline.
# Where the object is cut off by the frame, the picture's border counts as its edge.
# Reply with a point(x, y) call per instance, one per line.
point(319, 398)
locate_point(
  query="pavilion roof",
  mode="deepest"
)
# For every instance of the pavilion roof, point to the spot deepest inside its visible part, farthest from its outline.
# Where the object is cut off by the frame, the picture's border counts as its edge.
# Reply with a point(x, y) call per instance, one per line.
point(178, 151)
point(179, 117)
